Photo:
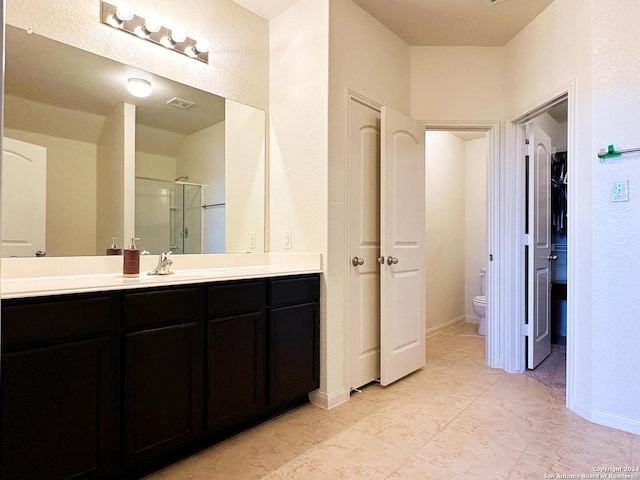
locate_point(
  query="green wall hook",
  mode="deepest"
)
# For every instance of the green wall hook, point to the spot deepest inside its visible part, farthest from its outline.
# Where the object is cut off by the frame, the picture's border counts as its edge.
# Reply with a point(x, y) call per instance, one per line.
point(611, 152)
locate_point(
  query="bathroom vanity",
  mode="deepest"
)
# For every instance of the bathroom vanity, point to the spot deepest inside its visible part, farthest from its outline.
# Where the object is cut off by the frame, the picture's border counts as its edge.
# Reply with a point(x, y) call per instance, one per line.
point(115, 383)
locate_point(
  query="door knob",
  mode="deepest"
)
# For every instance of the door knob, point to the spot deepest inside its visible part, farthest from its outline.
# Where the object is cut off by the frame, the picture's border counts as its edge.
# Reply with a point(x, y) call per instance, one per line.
point(392, 260)
point(355, 261)
point(381, 260)
point(553, 257)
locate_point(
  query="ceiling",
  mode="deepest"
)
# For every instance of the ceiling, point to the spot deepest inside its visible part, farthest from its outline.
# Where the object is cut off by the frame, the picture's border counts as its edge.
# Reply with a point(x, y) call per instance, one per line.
point(437, 22)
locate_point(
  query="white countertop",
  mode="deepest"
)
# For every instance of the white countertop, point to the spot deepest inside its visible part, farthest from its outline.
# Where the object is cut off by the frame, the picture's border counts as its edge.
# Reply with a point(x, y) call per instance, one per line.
point(38, 279)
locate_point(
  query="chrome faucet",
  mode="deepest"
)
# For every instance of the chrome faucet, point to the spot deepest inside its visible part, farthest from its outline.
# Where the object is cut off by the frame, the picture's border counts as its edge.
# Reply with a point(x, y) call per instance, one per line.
point(164, 265)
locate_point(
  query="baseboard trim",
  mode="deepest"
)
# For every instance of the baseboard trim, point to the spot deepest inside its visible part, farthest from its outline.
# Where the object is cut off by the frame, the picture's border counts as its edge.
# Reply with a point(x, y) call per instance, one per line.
point(614, 421)
point(605, 419)
point(472, 319)
point(444, 326)
point(328, 400)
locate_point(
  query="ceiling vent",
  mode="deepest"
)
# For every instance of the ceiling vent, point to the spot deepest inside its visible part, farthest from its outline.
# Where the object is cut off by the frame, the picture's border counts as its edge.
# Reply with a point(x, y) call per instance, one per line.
point(180, 103)
point(494, 2)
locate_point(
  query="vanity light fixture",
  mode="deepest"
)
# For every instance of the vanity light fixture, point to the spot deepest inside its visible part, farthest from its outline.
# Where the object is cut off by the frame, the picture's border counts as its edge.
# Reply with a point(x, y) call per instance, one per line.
point(151, 26)
point(122, 17)
point(139, 87)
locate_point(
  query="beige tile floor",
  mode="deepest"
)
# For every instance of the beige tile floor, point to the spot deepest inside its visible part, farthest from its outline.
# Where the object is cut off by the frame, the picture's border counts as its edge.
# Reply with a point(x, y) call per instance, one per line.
point(456, 418)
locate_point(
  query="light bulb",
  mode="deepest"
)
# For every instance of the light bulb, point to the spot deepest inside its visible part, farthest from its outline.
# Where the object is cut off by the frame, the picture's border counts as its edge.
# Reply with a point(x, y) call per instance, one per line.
point(124, 12)
point(139, 87)
point(202, 45)
point(178, 36)
point(152, 25)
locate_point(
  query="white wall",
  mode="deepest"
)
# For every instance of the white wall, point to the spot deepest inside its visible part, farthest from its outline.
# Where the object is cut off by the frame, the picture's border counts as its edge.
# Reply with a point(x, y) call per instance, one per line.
point(557, 131)
point(616, 226)
point(475, 234)
point(445, 171)
point(299, 84)
point(245, 152)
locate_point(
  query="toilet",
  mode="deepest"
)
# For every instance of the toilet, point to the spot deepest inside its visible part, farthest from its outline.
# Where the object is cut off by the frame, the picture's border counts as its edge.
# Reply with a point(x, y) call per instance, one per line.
point(480, 307)
point(480, 304)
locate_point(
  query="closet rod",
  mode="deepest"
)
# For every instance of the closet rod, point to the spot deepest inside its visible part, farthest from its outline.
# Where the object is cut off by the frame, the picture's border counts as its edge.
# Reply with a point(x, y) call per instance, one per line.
point(611, 152)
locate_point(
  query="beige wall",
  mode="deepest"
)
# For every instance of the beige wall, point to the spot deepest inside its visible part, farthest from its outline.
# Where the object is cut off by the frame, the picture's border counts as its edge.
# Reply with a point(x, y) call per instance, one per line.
point(475, 235)
point(457, 83)
point(71, 193)
point(445, 170)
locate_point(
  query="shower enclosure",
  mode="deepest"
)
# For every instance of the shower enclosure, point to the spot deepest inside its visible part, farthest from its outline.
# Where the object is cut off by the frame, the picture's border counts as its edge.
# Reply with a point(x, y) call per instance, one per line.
point(168, 215)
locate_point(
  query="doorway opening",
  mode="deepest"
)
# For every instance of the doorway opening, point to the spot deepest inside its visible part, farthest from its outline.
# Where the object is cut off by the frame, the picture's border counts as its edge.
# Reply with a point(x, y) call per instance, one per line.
point(546, 219)
point(456, 165)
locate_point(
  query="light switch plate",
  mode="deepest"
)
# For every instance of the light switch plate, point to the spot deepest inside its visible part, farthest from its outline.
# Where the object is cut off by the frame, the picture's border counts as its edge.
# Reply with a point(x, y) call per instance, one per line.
point(620, 191)
point(287, 239)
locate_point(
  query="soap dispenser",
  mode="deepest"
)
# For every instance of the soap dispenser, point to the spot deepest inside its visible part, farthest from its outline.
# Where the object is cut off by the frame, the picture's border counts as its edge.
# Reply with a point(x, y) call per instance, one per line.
point(131, 260)
point(114, 250)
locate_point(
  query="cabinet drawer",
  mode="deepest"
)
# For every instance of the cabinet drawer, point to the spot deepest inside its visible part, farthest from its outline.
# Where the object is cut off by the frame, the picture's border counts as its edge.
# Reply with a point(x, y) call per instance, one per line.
point(40, 324)
point(294, 290)
point(163, 307)
point(235, 298)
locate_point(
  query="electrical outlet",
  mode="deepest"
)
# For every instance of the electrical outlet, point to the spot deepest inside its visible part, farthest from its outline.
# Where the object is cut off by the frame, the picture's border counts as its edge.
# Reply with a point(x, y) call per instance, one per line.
point(252, 240)
point(287, 239)
point(620, 191)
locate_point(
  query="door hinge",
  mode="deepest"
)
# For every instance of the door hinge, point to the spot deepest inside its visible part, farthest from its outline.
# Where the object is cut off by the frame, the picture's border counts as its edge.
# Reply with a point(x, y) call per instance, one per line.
point(527, 239)
point(527, 149)
point(526, 331)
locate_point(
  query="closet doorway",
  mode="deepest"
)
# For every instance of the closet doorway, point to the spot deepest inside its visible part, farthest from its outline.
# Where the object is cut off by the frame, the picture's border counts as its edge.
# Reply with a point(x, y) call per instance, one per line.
point(385, 240)
point(546, 249)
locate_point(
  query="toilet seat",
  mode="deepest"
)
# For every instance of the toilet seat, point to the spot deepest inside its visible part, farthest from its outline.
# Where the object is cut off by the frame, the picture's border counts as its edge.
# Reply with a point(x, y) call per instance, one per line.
point(480, 299)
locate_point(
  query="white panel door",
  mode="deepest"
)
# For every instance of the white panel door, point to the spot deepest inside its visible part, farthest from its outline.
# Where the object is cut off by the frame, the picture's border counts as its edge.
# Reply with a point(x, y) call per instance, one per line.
point(402, 224)
point(24, 197)
point(539, 290)
point(364, 244)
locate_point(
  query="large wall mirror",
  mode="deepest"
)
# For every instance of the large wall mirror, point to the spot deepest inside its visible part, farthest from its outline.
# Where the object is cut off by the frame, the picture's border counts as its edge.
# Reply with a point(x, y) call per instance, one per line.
point(84, 160)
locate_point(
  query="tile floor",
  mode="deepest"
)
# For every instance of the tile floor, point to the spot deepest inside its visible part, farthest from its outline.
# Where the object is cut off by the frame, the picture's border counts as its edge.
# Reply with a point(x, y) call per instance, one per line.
point(455, 418)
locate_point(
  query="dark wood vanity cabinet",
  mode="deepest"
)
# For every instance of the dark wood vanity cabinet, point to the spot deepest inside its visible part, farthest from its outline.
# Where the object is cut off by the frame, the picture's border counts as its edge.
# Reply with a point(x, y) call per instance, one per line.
point(235, 354)
point(115, 384)
point(293, 339)
point(57, 388)
point(162, 369)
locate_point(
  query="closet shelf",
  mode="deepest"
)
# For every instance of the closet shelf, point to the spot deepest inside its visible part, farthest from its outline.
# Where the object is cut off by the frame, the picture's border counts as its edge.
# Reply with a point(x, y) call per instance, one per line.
point(611, 152)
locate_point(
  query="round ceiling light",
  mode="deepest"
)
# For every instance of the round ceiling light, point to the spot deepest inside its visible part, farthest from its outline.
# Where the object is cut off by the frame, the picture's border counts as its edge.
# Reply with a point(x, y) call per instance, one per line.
point(139, 87)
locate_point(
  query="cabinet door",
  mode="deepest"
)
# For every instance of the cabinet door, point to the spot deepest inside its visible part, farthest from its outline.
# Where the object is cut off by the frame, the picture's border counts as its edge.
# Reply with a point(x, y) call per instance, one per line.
point(235, 371)
point(293, 354)
point(162, 411)
point(55, 412)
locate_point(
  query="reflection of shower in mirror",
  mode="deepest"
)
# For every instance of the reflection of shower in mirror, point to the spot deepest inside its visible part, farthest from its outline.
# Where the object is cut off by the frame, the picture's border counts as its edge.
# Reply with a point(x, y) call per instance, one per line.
point(169, 216)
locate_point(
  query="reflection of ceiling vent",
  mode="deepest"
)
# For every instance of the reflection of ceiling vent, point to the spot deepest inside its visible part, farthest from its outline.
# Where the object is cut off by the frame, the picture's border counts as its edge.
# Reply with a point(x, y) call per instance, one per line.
point(493, 2)
point(180, 103)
